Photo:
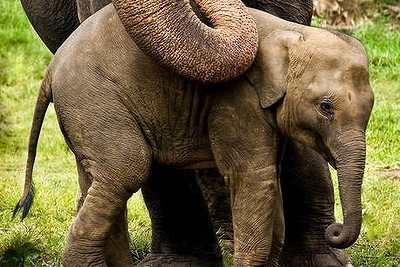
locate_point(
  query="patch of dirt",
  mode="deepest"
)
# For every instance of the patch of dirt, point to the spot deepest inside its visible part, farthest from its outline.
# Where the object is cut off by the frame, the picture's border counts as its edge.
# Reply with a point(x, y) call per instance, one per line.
point(339, 13)
point(392, 173)
point(344, 14)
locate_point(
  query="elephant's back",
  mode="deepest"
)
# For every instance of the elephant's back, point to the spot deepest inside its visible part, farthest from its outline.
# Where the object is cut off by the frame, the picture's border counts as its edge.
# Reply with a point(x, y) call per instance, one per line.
point(100, 65)
point(100, 55)
point(99, 40)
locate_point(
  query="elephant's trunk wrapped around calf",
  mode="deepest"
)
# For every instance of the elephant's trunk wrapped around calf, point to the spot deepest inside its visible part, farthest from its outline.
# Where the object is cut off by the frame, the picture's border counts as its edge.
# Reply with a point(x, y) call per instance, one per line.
point(350, 158)
point(172, 34)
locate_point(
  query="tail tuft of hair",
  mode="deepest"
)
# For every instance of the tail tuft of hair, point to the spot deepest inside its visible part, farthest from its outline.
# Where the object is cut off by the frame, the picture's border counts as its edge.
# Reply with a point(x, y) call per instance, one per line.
point(24, 204)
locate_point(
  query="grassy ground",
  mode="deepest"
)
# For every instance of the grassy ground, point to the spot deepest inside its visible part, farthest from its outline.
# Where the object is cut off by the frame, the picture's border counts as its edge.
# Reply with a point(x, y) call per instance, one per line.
point(379, 244)
point(39, 240)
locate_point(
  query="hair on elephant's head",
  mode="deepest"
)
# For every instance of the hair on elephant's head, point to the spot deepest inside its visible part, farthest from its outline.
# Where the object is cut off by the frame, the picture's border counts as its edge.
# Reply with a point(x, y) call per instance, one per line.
point(319, 83)
point(172, 34)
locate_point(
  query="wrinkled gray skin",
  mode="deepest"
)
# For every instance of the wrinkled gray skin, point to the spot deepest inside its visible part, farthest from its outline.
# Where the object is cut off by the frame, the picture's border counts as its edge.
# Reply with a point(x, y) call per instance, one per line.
point(310, 210)
point(55, 20)
point(306, 84)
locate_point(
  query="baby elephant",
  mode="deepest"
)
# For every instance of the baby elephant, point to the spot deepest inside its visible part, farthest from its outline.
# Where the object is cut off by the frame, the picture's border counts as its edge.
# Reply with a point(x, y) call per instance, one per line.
point(122, 115)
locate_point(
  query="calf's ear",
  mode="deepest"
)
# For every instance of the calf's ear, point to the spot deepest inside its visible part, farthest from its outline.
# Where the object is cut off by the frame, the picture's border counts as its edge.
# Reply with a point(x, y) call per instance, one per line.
point(269, 72)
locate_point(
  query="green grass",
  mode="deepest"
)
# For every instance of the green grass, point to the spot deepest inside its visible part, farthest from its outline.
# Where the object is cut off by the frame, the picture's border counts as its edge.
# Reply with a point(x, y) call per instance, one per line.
point(40, 238)
point(379, 243)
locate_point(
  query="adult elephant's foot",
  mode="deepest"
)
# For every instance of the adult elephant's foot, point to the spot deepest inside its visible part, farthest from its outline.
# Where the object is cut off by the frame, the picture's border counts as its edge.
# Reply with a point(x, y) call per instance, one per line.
point(321, 257)
point(177, 260)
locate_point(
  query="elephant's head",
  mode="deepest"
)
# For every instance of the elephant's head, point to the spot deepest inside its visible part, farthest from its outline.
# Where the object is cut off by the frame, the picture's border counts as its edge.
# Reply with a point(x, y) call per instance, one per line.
point(318, 83)
point(172, 34)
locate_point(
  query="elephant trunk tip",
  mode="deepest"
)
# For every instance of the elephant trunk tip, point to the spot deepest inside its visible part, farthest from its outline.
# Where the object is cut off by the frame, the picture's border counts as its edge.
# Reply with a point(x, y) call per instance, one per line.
point(339, 236)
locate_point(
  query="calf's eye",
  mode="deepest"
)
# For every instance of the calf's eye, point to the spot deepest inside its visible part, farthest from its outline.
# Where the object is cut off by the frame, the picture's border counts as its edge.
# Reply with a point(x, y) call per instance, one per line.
point(327, 108)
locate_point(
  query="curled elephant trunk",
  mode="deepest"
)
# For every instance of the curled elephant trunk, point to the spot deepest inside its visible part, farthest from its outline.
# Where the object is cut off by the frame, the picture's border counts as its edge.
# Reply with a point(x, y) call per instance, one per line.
point(171, 33)
point(350, 158)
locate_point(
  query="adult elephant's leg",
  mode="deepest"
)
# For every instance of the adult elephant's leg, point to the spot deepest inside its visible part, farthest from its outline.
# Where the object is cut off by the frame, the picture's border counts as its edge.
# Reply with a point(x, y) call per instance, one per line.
point(182, 234)
point(299, 11)
point(53, 20)
point(309, 208)
point(217, 197)
point(86, 8)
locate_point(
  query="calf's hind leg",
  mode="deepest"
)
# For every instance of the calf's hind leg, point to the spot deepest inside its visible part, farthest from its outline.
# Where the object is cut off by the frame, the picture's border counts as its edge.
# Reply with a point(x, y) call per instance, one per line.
point(117, 252)
point(117, 163)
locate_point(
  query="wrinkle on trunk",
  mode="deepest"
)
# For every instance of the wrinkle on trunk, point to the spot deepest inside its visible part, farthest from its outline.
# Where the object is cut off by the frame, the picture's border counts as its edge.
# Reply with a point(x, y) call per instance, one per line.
point(350, 157)
point(171, 33)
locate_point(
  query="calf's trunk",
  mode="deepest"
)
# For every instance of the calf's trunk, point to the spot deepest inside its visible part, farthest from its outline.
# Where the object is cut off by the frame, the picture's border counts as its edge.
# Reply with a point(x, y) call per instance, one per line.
point(350, 158)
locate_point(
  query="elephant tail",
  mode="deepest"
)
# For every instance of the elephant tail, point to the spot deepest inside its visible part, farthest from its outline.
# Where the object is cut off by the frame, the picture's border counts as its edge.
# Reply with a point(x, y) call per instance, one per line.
point(42, 103)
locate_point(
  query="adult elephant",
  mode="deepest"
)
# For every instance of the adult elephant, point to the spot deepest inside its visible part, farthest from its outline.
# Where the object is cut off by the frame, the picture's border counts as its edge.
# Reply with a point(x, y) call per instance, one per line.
point(300, 87)
point(308, 205)
point(55, 20)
